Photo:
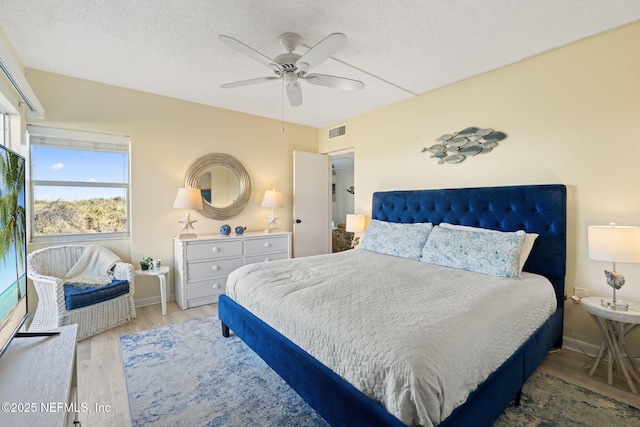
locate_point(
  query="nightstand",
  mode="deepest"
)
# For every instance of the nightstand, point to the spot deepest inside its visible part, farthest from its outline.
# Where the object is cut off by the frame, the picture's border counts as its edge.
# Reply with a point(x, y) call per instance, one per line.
point(616, 326)
point(161, 273)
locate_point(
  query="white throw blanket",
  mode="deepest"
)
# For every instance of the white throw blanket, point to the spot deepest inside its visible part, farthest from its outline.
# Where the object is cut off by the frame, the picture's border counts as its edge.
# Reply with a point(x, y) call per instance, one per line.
point(93, 268)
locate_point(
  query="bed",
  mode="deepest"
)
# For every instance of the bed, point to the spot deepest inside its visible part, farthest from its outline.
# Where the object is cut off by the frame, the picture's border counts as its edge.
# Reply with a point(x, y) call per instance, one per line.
point(539, 209)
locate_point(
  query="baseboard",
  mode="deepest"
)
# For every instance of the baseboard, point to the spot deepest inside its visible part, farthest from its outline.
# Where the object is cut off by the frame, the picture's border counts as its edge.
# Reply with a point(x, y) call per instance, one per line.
point(571, 343)
point(579, 346)
point(142, 302)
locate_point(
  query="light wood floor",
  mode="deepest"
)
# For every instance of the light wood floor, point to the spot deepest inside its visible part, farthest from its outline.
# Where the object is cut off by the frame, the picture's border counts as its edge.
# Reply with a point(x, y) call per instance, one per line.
point(101, 381)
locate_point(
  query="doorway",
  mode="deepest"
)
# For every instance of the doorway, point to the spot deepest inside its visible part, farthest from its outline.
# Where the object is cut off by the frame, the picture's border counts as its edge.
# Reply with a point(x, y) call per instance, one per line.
point(342, 198)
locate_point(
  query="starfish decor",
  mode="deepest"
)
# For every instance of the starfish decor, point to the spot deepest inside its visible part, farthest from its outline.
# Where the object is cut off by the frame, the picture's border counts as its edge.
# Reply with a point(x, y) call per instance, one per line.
point(187, 223)
point(271, 220)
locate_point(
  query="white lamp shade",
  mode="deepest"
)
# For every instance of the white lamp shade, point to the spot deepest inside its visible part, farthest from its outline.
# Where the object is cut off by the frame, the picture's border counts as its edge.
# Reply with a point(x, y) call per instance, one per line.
point(356, 223)
point(272, 199)
point(614, 243)
point(188, 198)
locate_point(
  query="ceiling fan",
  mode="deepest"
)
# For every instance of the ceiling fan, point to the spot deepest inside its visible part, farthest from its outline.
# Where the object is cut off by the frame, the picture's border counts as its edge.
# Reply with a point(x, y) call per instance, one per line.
point(291, 67)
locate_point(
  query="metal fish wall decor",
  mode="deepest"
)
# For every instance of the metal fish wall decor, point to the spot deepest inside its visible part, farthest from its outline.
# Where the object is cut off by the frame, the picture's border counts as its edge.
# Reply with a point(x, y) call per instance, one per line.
point(456, 147)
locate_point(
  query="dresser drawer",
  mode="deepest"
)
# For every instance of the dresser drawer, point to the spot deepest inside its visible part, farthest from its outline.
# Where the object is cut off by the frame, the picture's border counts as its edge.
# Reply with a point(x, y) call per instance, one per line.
point(267, 245)
point(209, 269)
point(265, 258)
point(206, 288)
point(213, 250)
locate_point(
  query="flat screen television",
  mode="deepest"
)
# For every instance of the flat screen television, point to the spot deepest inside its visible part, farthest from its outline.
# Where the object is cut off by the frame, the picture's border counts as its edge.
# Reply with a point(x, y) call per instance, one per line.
point(13, 246)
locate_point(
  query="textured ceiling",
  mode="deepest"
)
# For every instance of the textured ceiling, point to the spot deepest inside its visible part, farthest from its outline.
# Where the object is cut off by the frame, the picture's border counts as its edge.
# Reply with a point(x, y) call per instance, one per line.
point(398, 49)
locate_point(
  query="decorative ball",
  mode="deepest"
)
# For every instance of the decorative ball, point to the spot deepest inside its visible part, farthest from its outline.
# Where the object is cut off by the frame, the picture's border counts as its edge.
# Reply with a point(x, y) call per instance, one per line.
point(226, 229)
point(240, 229)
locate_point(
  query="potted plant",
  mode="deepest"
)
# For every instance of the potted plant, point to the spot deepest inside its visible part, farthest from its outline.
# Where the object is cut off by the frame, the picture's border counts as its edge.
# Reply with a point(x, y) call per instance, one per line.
point(146, 263)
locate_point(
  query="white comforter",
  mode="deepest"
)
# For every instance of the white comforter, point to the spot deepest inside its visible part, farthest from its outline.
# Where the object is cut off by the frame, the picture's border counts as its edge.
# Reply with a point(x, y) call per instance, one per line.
point(416, 337)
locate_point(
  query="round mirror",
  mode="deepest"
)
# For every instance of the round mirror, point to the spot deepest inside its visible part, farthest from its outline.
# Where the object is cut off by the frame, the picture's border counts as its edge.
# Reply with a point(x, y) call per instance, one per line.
point(220, 187)
point(224, 183)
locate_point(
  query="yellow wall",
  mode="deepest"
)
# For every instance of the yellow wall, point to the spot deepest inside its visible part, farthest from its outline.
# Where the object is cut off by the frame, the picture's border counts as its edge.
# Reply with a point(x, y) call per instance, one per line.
point(571, 116)
point(167, 135)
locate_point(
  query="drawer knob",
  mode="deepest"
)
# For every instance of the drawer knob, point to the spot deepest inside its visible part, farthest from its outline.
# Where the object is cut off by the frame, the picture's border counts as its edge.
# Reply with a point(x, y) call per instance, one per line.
point(267, 259)
point(267, 245)
point(216, 249)
point(216, 286)
point(215, 268)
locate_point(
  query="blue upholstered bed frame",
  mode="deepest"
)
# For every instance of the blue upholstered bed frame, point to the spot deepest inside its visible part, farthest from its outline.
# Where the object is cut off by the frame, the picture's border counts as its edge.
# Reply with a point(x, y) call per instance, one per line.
point(537, 209)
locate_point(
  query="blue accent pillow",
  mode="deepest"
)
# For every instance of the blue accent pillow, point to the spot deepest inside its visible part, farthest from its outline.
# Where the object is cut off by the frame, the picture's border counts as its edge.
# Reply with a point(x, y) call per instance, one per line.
point(77, 298)
point(396, 239)
point(495, 254)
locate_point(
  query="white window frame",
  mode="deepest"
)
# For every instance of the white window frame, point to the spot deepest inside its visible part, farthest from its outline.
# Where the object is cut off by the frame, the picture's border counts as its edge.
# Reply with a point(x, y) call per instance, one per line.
point(93, 141)
point(4, 128)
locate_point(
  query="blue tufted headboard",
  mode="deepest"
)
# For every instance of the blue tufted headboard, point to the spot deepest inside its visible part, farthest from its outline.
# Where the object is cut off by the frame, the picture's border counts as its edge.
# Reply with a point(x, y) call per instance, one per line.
point(537, 209)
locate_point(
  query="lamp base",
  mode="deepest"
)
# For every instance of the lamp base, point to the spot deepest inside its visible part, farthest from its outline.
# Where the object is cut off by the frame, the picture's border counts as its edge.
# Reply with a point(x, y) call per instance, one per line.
point(616, 305)
point(271, 230)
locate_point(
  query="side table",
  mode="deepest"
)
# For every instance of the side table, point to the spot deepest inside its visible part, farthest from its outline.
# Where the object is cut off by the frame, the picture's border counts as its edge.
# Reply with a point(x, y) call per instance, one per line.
point(161, 273)
point(616, 326)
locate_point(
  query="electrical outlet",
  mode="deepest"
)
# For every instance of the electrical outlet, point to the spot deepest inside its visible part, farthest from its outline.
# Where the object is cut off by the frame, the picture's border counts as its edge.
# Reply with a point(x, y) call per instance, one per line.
point(581, 292)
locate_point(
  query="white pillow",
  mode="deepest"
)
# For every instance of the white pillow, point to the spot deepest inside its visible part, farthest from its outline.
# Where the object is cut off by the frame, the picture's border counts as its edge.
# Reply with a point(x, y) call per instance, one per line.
point(392, 238)
point(529, 239)
point(496, 254)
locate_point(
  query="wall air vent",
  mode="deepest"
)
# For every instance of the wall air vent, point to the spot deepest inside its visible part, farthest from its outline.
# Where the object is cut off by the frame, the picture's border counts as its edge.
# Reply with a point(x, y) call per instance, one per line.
point(338, 131)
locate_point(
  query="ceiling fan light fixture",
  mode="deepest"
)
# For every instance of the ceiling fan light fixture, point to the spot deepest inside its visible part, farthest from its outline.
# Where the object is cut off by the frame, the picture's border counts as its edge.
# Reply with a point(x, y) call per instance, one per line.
point(294, 93)
point(290, 77)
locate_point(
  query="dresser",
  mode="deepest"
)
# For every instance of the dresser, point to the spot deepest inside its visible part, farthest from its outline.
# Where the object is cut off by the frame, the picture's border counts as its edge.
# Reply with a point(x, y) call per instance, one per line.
point(203, 264)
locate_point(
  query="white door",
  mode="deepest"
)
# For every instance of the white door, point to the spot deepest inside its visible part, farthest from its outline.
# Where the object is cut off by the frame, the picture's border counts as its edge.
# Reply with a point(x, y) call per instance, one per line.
point(311, 204)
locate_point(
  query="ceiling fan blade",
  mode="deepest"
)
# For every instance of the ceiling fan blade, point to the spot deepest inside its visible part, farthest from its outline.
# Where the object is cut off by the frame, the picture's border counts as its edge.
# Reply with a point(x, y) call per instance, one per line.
point(333, 81)
point(249, 82)
point(322, 51)
point(294, 93)
point(250, 52)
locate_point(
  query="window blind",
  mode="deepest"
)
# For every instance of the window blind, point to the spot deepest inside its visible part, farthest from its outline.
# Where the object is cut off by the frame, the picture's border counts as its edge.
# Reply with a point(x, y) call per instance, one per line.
point(79, 140)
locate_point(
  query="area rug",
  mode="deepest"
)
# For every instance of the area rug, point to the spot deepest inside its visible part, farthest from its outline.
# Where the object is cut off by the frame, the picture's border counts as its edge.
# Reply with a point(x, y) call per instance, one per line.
point(188, 374)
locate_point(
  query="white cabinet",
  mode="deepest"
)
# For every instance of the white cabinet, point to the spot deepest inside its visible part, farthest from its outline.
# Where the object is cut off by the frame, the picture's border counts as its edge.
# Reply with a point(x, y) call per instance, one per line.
point(203, 264)
point(38, 384)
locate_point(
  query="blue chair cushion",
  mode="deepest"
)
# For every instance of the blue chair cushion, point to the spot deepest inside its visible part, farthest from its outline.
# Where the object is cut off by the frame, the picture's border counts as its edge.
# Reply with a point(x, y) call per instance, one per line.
point(77, 298)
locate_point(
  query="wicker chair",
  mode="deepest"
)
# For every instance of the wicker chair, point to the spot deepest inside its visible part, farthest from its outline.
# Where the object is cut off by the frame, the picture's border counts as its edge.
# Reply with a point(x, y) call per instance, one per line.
point(46, 268)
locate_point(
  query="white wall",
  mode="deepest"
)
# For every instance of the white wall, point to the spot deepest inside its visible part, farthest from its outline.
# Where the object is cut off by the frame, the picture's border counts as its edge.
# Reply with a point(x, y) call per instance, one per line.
point(344, 203)
point(571, 116)
point(10, 100)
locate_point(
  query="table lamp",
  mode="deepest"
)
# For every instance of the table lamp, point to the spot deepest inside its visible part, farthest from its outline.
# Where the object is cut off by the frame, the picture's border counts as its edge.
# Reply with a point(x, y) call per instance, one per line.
point(614, 244)
point(356, 224)
point(188, 198)
point(272, 199)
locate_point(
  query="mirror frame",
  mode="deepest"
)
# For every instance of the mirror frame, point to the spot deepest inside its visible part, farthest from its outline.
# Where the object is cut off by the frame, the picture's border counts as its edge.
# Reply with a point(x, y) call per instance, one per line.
point(202, 165)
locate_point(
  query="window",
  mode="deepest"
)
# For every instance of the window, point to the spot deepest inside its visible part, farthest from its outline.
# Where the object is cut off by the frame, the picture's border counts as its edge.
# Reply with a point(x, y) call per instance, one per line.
point(79, 184)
